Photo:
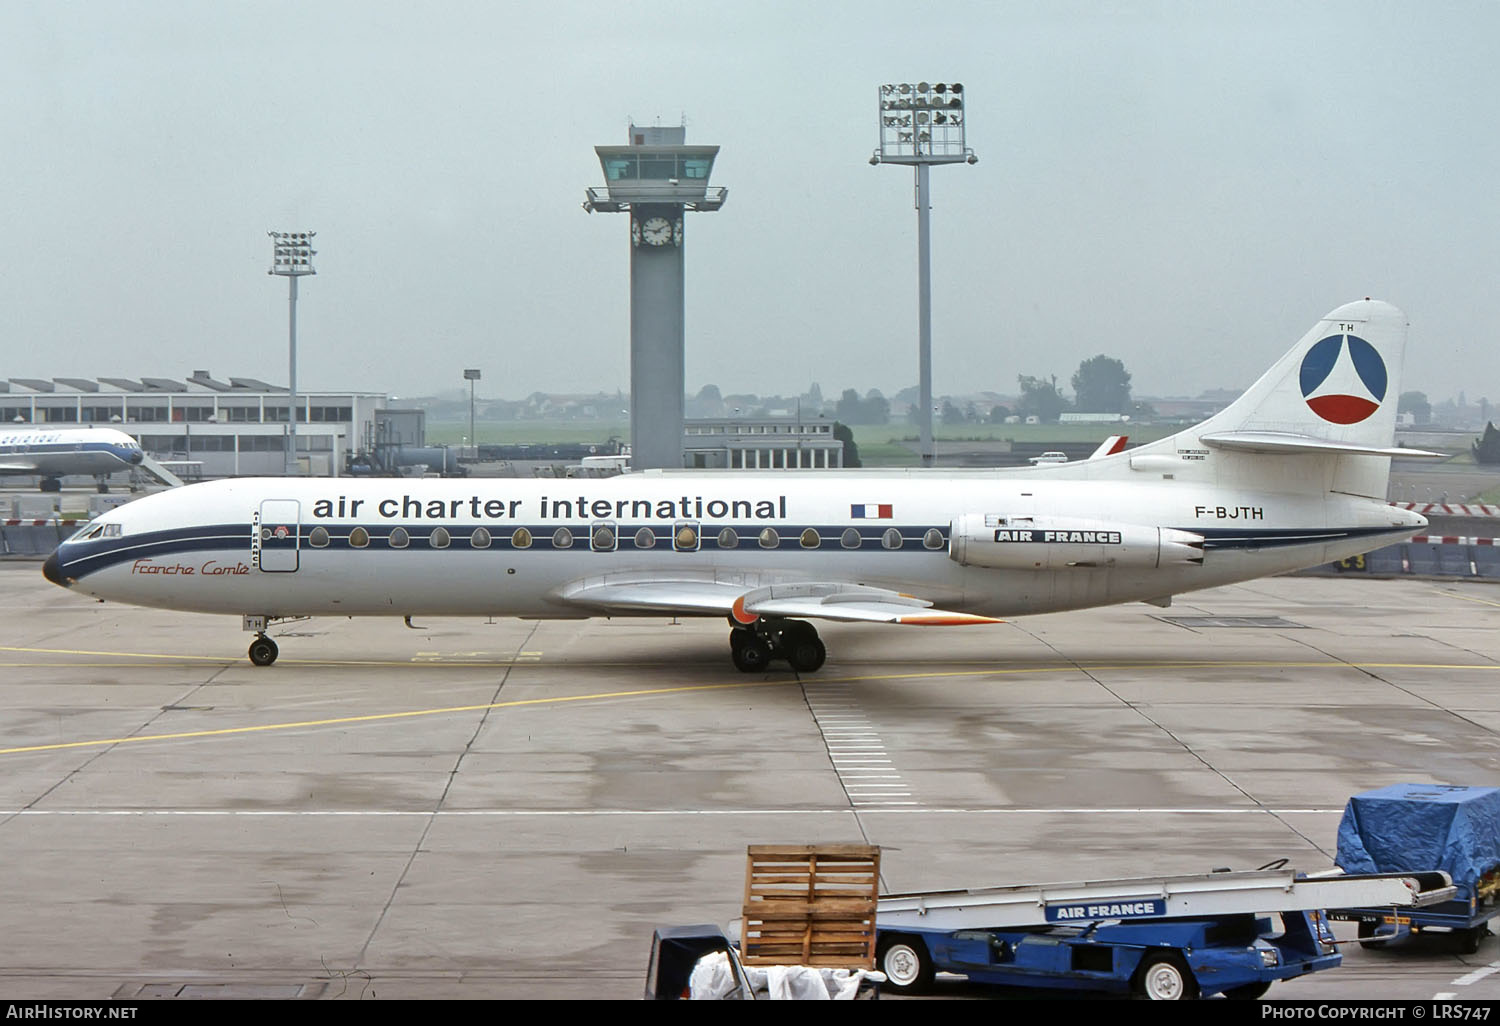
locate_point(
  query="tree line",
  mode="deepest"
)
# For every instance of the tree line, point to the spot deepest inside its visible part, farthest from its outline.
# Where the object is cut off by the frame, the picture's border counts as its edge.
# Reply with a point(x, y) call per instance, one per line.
point(1100, 385)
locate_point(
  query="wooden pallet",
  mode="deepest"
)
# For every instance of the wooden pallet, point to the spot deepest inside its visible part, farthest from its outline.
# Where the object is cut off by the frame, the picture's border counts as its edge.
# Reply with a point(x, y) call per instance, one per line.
point(810, 904)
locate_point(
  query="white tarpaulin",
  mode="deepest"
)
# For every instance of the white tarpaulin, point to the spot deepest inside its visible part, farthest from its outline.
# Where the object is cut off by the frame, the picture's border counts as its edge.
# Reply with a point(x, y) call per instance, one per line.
point(713, 979)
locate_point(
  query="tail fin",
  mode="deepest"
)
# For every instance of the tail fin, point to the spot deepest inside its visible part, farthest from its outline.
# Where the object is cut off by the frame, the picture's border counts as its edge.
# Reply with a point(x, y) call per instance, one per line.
point(1338, 386)
point(1334, 394)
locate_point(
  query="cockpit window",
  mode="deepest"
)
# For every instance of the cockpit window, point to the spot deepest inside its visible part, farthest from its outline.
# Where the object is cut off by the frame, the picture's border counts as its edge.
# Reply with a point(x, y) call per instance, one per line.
point(89, 532)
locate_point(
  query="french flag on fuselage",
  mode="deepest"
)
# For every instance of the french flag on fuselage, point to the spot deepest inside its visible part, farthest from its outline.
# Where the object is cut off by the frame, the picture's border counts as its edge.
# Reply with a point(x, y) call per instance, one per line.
point(871, 511)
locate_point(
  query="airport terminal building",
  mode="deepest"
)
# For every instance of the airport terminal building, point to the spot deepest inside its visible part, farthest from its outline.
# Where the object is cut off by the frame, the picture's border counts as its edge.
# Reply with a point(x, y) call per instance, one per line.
point(762, 443)
point(201, 426)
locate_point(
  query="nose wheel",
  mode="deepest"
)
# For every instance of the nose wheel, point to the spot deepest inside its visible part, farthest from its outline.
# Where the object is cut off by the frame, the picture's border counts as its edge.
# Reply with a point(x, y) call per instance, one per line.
point(263, 651)
point(753, 647)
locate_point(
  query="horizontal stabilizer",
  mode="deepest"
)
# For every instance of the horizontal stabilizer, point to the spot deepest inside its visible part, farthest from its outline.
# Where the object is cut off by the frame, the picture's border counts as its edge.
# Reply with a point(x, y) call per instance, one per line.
point(1289, 442)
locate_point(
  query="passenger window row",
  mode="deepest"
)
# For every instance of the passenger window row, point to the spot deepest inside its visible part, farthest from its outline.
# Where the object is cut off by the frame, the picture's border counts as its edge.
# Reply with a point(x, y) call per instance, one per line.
point(604, 537)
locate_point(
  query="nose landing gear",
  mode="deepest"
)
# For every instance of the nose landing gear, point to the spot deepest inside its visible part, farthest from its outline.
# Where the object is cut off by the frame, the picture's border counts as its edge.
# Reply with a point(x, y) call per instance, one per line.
point(263, 651)
point(753, 647)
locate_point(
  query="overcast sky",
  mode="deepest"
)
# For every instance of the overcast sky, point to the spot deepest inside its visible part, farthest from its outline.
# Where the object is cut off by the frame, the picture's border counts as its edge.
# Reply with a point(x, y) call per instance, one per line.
point(1185, 186)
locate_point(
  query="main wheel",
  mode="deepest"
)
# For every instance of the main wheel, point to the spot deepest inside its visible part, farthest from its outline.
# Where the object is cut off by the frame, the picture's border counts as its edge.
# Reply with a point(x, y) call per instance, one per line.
point(1164, 977)
point(753, 656)
point(263, 651)
point(50, 484)
point(805, 651)
point(906, 964)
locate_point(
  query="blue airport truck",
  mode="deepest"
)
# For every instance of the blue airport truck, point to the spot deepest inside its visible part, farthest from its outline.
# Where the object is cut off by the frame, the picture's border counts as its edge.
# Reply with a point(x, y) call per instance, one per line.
point(1407, 827)
point(1161, 938)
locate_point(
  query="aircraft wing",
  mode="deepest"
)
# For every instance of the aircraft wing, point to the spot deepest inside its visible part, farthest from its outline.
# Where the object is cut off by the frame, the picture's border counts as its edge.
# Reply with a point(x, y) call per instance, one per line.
point(828, 600)
point(17, 467)
point(689, 596)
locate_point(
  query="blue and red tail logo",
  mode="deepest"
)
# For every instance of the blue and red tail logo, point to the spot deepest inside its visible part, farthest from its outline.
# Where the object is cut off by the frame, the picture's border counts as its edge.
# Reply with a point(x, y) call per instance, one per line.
point(1343, 379)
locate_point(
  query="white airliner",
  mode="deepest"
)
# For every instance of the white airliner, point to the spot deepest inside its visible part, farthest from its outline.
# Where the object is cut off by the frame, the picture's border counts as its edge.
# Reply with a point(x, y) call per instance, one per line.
point(1291, 475)
point(54, 453)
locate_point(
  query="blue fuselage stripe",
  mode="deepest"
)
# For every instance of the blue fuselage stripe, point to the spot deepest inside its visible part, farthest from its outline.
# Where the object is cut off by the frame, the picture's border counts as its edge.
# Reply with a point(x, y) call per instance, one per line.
point(81, 557)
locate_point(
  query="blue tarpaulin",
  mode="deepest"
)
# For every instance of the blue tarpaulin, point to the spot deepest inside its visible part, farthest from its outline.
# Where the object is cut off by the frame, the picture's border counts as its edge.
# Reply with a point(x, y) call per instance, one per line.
point(1411, 827)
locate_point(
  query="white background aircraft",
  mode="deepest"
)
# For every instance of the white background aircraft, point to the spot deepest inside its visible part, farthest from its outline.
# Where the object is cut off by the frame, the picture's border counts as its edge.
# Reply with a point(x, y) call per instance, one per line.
point(54, 453)
point(1291, 475)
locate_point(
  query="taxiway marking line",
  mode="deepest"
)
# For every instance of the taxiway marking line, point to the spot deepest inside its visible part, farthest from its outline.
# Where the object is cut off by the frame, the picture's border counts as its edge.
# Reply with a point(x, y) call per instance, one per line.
point(379, 717)
point(523, 813)
point(1200, 665)
point(688, 688)
point(973, 669)
point(1467, 598)
point(1477, 975)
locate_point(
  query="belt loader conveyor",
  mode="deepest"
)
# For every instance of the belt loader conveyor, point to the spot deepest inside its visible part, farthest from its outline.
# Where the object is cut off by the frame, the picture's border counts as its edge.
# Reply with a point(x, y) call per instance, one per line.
point(1162, 937)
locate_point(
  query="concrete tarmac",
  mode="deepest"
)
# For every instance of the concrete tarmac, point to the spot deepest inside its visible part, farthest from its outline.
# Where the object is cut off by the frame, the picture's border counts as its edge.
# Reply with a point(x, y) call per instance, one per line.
point(506, 810)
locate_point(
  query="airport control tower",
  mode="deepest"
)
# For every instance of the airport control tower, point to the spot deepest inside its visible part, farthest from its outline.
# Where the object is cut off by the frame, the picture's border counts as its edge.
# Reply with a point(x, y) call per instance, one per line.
point(656, 179)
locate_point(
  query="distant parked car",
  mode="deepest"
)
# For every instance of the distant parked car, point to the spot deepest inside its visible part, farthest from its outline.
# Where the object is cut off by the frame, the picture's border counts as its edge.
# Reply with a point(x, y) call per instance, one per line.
point(1049, 457)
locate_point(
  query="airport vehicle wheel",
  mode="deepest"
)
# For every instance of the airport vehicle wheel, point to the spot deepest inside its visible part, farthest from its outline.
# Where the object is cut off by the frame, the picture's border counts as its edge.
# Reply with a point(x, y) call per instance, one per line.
point(806, 653)
point(1249, 992)
point(906, 964)
point(1469, 940)
point(1164, 977)
point(751, 657)
point(263, 651)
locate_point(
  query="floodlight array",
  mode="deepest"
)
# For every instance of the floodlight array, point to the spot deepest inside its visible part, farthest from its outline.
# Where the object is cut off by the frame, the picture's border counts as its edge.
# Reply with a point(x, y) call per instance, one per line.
point(292, 253)
point(897, 96)
point(921, 121)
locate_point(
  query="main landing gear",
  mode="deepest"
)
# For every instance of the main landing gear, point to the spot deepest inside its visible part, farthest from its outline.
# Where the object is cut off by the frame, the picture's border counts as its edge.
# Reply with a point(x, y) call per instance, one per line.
point(753, 646)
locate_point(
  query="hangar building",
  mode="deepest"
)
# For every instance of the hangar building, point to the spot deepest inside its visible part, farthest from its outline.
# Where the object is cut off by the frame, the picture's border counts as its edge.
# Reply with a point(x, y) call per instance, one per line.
point(201, 426)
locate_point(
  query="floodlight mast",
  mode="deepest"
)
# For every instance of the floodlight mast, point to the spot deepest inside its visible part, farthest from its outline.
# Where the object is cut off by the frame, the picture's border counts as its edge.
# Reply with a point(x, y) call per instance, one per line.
point(291, 257)
point(471, 375)
point(921, 125)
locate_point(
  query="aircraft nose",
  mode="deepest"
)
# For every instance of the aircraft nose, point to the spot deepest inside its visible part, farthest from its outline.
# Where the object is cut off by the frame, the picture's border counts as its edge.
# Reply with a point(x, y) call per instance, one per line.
point(52, 570)
point(136, 456)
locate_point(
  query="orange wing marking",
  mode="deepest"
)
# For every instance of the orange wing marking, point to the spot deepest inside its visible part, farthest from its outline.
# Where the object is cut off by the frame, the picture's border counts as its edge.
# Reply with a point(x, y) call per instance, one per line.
point(954, 620)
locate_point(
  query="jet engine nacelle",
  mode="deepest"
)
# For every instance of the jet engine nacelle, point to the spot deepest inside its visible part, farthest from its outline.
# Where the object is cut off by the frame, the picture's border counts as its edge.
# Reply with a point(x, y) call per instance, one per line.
point(1056, 543)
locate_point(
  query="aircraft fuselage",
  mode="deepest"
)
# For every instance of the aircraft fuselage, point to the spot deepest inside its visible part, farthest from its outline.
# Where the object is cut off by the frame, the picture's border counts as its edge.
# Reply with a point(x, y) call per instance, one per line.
point(512, 547)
